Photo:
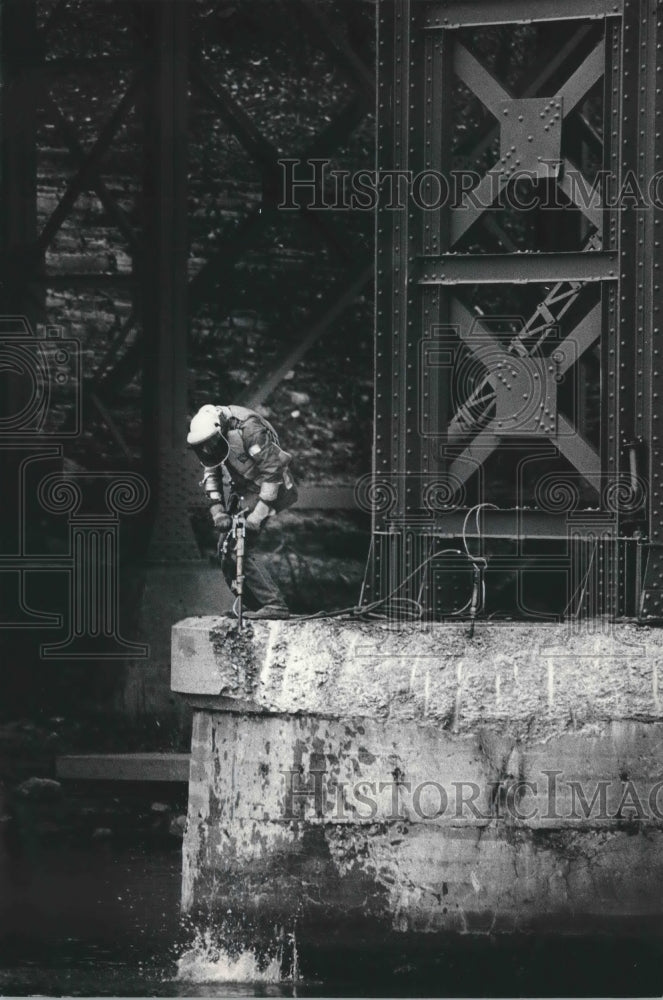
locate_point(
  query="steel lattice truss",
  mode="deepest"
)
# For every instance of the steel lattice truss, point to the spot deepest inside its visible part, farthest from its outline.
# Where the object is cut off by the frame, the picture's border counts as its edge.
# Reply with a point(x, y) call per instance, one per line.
point(522, 378)
point(530, 141)
point(515, 328)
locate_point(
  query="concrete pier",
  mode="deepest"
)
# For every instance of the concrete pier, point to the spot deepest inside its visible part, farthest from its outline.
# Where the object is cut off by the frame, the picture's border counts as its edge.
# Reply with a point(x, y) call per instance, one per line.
point(362, 779)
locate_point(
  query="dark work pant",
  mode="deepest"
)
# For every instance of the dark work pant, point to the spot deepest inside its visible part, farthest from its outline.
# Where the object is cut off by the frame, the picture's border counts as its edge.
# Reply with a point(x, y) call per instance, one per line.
point(259, 586)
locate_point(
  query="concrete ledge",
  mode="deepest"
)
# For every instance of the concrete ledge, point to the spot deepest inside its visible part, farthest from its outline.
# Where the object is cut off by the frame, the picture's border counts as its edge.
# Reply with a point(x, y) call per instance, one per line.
point(535, 680)
point(355, 779)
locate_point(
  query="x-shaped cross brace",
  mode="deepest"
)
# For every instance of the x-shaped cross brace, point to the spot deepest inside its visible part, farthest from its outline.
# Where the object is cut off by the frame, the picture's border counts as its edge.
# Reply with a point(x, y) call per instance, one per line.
point(525, 388)
point(530, 135)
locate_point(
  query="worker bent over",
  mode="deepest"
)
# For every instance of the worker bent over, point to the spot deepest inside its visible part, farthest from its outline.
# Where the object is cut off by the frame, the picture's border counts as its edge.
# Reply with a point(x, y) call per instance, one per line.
point(240, 453)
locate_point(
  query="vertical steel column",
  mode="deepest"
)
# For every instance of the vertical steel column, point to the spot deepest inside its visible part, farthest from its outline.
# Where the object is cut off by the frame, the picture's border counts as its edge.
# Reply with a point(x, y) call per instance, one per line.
point(18, 205)
point(164, 279)
point(378, 581)
point(432, 408)
point(396, 390)
point(18, 225)
point(630, 332)
point(650, 304)
point(612, 302)
point(400, 260)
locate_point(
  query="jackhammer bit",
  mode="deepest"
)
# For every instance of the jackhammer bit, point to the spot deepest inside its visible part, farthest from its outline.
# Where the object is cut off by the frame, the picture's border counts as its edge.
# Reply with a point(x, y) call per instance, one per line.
point(237, 533)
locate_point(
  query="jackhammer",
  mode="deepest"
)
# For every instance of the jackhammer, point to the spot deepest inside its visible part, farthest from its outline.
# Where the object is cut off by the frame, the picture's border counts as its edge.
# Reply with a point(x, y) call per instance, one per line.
point(237, 533)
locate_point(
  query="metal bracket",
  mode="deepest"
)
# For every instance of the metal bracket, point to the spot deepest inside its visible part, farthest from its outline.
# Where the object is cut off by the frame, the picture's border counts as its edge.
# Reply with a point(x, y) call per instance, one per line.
point(531, 136)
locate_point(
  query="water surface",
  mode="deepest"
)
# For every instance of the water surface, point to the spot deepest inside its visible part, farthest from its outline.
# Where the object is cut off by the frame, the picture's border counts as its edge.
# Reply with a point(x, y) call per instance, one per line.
point(104, 920)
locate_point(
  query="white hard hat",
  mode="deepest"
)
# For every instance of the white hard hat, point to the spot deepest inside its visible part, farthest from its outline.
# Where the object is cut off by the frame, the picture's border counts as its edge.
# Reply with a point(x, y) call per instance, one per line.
point(206, 436)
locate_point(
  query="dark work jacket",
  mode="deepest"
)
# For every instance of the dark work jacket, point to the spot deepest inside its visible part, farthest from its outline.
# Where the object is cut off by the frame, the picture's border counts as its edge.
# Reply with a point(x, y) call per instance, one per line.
point(256, 464)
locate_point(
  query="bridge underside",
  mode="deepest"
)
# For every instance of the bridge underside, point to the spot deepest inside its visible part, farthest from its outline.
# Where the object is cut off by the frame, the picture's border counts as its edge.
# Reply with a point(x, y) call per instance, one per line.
point(146, 270)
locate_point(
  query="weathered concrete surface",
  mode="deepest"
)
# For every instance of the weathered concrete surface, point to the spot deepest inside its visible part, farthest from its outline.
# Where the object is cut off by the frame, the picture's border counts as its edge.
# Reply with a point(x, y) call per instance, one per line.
point(359, 779)
point(526, 680)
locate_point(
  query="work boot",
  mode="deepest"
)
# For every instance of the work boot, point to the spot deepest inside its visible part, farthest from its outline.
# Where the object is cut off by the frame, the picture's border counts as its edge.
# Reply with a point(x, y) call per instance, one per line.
point(267, 612)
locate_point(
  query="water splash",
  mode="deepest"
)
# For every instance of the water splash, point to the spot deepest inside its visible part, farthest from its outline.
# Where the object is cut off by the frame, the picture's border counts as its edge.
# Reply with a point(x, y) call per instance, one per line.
point(206, 960)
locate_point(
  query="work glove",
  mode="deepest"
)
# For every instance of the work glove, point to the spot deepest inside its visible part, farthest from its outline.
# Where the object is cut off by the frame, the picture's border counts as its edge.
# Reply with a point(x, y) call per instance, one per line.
point(221, 520)
point(257, 516)
point(253, 522)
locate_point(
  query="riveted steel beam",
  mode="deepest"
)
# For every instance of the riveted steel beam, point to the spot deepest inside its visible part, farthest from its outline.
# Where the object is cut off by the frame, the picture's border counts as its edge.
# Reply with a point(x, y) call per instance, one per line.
point(517, 269)
point(470, 460)
point(578, 451)
point(583, 336)
point(471, 13)
point(593, 211)
point(482, 197)
point(515, 524)
point(643, 322)
point(482, 83)
point(578, 85)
